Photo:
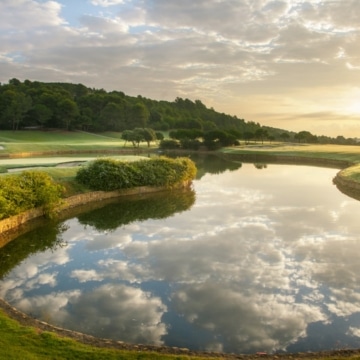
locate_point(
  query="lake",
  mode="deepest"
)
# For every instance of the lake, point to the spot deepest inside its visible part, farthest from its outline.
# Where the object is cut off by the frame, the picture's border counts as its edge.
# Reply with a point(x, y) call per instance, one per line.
point(254, 258)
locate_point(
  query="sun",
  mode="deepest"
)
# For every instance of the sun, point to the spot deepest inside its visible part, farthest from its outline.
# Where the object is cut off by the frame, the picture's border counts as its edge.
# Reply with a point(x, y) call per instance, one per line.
point(353, 102)
point(354, 107)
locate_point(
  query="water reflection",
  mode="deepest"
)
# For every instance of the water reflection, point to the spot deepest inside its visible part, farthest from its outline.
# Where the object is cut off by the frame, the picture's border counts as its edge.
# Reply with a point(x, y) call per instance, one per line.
point(262, 261)
point(126, 211)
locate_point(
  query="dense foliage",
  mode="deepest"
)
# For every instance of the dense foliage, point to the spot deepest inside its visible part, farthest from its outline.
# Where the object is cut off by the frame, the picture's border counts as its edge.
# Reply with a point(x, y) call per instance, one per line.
point(38, 105)
point(34, 104)
point(28, 190)
point(109, 174)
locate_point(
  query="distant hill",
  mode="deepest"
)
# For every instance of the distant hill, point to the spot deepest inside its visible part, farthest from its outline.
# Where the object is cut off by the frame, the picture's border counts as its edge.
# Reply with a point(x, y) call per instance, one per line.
point(36, 105)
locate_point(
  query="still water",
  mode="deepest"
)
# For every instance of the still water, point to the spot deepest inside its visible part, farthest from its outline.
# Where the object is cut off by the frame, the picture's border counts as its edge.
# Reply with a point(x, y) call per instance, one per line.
point(254, 258)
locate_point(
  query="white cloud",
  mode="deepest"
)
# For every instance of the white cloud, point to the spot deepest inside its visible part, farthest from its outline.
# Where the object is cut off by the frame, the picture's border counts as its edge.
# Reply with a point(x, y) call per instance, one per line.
point(233, 315)
point(106, 3)
point(119, 312)
point(230, 54)
point(22, 15)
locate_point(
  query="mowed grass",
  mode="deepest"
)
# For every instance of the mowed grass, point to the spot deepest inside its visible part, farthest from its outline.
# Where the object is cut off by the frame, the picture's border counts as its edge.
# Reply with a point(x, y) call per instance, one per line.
point(352, 173)
point(57, 136)
point(56, 160)
point(350, 153)
point(28, 343)
point(36, 141)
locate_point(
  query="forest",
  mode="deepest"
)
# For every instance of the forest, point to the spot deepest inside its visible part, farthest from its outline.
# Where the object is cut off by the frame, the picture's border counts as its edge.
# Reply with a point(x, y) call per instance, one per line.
point(38, 105)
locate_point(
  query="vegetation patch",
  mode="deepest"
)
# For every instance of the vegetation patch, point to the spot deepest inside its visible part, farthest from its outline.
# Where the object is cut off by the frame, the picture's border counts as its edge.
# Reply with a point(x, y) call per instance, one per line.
point(351, 173)
point(110, 174)
point(23, 342)
point(28, 190)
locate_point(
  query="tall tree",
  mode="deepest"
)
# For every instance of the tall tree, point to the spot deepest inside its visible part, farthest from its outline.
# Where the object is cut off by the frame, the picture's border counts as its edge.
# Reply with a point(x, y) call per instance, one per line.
point(149, 135)
point(139, 115)
point(16, 105)
point(68, 111)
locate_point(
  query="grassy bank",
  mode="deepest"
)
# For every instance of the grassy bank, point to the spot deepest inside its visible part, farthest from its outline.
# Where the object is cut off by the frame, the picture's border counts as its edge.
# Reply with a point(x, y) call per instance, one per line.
point(30, 343)
point(352, 173)
point(343, 157)
point(347, 153)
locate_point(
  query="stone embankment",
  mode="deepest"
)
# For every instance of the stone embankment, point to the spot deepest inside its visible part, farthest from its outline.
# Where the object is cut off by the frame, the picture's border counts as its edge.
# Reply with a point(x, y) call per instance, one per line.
point(11, 225)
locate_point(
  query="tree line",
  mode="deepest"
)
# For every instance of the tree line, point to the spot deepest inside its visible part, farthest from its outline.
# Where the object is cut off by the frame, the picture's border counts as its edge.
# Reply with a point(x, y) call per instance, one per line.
point(39, 105)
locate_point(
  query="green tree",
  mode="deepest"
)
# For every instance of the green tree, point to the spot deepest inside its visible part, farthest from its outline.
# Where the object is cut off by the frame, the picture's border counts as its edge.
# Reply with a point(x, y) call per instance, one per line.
point(68, 111)
point(284, 136)
point(149, 135)
point(261, 134)
point(134, 136)
point(112, 117)
point(42, 113)
point(16, 105)
point(159, 136)
point(139, 116)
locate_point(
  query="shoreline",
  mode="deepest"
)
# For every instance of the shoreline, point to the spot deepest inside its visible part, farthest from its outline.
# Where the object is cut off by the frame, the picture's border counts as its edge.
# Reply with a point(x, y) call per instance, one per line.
point(347, 186)
point(9, 226)
point(41, 326)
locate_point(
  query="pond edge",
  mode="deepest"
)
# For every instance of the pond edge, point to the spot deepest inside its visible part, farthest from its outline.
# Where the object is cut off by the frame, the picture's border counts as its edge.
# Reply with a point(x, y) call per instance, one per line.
point(9, 225)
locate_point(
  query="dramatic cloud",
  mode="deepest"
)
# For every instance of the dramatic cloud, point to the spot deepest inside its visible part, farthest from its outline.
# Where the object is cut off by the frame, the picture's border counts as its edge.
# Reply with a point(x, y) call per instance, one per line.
point(293, 64)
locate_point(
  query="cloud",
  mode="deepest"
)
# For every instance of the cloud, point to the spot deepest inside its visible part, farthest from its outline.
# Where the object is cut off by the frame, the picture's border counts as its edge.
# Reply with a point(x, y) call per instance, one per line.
point(245, 322)
point(22, 15)
point(233, 55)
point(106, 3)
point(119, 312)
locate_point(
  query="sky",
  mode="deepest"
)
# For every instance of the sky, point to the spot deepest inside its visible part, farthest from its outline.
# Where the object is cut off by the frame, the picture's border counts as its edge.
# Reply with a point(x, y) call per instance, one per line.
point(290, 64)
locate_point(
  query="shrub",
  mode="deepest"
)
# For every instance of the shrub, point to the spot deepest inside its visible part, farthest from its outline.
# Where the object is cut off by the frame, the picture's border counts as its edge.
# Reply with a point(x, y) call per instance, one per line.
point(110, 174)
point(190, 144)
point(26, 191)
point(3, 170)
point(169, 144)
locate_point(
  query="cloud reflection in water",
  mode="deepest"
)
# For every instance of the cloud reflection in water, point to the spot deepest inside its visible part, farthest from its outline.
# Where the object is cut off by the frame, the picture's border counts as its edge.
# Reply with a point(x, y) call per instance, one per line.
point(252, 267)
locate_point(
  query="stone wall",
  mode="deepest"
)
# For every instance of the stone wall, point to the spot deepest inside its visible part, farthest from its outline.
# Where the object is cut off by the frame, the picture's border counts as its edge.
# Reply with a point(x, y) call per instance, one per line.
point(11, 224)
point(17, 220)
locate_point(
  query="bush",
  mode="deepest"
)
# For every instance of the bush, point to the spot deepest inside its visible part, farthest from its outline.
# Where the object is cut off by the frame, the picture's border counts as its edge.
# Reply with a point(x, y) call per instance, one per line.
point(26, 191)
point(169, 144)
point(110, 174)
point(3, 170)
point(190, 144)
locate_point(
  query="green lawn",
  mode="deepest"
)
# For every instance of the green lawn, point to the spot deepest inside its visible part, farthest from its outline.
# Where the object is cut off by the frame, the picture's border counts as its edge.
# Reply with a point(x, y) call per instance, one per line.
point(35, 141)
point(350, 153)
point(28, 343)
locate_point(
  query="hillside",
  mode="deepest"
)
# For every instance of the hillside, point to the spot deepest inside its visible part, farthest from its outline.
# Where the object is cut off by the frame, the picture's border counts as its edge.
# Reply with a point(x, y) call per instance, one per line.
point(38, 105)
